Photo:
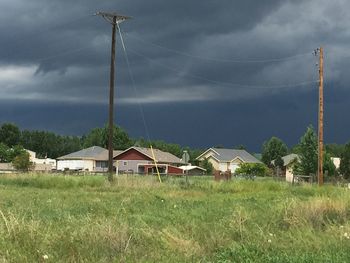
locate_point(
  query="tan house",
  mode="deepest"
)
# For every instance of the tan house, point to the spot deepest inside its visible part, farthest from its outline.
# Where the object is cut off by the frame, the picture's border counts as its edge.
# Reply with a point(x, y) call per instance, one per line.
point(227, 159)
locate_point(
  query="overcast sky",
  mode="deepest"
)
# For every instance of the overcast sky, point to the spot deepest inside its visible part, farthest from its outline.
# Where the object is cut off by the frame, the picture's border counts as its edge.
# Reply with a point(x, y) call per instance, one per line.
point(204, 73)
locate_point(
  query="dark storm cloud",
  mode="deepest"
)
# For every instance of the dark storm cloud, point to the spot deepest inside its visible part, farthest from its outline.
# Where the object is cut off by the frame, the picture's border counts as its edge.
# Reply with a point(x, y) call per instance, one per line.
point(203, 55)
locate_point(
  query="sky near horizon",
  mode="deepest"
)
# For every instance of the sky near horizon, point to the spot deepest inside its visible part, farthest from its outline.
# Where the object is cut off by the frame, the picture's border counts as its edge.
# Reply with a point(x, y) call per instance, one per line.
point(201, 73)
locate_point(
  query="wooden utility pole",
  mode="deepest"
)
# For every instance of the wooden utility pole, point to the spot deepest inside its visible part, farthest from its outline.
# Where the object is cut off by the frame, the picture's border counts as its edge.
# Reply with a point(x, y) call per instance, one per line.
point(320, 120)
point(114, 19)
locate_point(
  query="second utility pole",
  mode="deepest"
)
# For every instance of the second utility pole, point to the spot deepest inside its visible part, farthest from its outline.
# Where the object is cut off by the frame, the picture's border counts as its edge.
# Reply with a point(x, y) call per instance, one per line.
point(320, 121)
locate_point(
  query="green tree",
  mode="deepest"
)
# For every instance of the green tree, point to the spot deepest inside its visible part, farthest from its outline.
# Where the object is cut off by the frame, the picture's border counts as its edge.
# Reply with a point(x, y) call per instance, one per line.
point(254, 169)
point(308, 152)
point(328, 165)
point(9, 134)
point(335, 150)
point(273, 149)
point(96, 137)
point(48, 144)
point(22, 162)
point(4, 153)
point(207, 166)
point(99, 137)
point(15, 151)
point(344, 167)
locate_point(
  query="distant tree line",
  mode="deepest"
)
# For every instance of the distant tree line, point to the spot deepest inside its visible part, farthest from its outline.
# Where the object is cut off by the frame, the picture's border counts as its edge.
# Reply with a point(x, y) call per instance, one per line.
point(13, 141)
point(51, 145)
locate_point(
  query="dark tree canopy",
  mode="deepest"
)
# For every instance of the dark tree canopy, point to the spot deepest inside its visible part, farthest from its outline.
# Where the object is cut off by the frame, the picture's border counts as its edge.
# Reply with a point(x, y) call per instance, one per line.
point(99, 137)
point(9, 134)
point(273, 149)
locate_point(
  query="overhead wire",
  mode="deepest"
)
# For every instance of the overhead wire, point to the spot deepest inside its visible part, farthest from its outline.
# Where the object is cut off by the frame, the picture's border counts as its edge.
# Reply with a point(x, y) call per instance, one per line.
point(231, 60)
point(139, 103)
point(178, 71)
point(131, 75)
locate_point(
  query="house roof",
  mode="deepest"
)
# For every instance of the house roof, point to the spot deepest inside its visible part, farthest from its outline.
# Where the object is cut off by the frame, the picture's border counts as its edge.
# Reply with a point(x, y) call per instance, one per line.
point(227, 155)
point(160, 156)
point(93, 153)
point(288, 159)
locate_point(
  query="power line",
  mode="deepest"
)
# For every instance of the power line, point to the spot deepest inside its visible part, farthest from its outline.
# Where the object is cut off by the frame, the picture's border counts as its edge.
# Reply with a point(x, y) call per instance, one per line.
point(232, 60)
point(134, 86)
point(230, 84)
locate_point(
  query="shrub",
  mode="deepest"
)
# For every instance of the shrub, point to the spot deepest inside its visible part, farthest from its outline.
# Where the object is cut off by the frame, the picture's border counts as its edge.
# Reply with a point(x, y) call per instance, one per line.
point(255, 169)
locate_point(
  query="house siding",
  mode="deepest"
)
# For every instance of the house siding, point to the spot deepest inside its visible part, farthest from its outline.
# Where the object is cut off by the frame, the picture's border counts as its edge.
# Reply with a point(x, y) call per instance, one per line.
point(131, 165)
point(85, 165)
point(174, 170)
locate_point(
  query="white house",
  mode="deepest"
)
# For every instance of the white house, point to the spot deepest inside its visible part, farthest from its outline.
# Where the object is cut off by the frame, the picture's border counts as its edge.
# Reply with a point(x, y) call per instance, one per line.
point(227, 159)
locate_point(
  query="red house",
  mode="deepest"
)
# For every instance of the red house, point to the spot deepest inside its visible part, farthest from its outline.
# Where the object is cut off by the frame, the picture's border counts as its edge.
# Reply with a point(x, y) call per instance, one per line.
point(138, 160)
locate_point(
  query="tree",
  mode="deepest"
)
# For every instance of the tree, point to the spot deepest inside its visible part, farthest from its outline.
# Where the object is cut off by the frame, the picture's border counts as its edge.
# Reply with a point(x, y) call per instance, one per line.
point(49, 144)
point(273, 149)
point(240, 147)
point(334, 149)
point(22, 162)
point(99, 137)
point(308, 152)
point(96, 137)
point(254, 169)
point(344, 168)
point(9, 134)
point(207, 166)
point(4, 153)
point(328, 165)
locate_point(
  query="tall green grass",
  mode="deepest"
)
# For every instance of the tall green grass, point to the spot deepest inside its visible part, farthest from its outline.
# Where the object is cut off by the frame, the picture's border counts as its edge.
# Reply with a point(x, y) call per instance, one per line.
point(54, 218)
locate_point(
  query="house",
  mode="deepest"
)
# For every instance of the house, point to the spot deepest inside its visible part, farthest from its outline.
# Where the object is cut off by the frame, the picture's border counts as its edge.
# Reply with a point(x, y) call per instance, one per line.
point(290, 160)
point(227, 159)
point(46, 164)
point(39, 165)
point(140, 160)
point(93, 159)
point(288, 164)
point(193, 170)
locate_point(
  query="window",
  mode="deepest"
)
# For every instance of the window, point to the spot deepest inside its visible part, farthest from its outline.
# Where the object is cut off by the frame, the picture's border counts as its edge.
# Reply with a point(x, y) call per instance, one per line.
point(101, 164)
point(125, 163)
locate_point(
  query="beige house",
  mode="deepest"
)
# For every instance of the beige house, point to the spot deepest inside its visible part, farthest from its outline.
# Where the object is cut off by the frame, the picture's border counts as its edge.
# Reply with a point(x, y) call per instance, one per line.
point(93, 159)
point(227, 159)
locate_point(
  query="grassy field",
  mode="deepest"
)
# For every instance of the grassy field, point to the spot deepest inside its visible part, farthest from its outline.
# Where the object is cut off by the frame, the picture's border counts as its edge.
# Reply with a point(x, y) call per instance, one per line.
point(45, 218)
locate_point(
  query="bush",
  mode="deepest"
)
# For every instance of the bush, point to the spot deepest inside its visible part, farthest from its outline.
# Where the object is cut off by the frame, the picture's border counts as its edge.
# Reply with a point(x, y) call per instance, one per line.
point(22, 162)
point(254, 169)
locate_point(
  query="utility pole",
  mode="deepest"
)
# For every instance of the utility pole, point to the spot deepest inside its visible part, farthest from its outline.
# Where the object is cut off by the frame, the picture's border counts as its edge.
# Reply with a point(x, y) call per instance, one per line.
point(320, 118)
point(113, 19)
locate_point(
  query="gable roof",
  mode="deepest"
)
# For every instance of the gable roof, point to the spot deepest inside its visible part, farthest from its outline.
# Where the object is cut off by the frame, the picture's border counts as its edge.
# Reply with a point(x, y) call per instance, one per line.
point(92, 153)
point(288, 159)
point(160, 156)
point(227, 155)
